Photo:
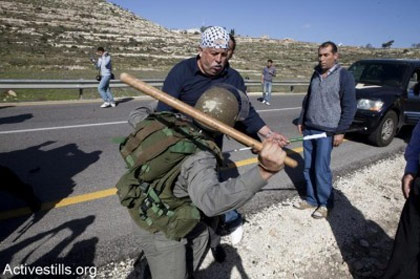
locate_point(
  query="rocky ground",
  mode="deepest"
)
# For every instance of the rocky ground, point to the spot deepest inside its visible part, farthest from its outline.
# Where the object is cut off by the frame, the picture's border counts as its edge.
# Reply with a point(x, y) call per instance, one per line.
point(282, 242)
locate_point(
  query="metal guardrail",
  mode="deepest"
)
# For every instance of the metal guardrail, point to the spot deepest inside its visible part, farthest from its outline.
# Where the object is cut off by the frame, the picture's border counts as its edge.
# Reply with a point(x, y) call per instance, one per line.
point(81, 84)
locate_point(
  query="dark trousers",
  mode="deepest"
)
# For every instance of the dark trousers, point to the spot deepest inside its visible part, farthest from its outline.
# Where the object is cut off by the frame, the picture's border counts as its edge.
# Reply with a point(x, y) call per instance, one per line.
point(404, 262)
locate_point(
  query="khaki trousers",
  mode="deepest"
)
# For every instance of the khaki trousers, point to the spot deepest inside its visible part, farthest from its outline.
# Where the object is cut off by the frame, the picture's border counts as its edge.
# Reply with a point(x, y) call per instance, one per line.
point(173, 259)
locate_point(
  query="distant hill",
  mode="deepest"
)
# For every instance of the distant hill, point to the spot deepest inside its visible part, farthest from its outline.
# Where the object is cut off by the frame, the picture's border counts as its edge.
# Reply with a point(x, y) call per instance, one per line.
point(51, 35)
point(55, 38)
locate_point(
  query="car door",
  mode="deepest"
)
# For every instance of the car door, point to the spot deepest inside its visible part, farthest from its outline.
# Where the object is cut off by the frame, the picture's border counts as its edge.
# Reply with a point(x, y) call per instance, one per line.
point(411, 102)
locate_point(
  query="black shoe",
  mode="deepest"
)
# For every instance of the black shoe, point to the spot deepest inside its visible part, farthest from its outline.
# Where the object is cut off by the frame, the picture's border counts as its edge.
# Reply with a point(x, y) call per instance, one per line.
point(219, 253)
point(227, 228)
point(141, 269)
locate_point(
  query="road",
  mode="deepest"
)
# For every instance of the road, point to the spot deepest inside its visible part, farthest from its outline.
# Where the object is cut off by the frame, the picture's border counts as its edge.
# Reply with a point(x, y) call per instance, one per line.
point(65, 151)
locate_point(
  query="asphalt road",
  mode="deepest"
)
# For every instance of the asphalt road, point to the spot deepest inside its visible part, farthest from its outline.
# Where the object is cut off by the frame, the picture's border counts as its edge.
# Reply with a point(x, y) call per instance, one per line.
point(65, 151)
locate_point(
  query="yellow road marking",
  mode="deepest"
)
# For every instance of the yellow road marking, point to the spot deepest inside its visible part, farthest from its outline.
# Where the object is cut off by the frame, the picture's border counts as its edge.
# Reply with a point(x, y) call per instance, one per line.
point(60, 203)
point(241, 163)
point(103, 193)
point(254, 160)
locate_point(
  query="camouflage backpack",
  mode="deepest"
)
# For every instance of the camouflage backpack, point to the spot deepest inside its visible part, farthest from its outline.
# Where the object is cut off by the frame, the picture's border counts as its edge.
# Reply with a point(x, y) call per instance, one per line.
point(154, 154)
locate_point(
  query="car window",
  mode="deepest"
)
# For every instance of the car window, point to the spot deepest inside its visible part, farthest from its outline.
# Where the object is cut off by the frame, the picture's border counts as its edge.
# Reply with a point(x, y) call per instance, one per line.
point(357, 69)
point(376, 73)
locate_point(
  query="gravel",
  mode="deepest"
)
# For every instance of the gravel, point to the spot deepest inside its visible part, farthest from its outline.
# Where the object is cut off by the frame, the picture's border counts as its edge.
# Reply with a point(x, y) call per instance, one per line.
point(282, 242)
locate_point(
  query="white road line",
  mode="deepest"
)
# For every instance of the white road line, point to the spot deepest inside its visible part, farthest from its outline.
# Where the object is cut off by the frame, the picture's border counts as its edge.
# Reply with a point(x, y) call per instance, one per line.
point(268, 110)
point(103, 124)
point(62, 127)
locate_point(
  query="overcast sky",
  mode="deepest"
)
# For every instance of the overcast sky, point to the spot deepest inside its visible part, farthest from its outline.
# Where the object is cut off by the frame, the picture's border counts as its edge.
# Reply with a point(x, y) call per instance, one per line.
point(351, 22)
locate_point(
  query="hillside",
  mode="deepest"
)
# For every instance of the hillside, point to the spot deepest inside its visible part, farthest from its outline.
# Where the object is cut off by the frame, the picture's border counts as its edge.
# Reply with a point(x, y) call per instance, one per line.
point(54, 39)
point(51, 35)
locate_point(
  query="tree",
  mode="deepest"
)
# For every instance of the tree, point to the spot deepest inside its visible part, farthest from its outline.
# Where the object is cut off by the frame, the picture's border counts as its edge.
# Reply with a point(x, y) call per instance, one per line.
point(203, 28)
point(387, 44)
point(369, 46)
point(416, 45)
point(232, 32)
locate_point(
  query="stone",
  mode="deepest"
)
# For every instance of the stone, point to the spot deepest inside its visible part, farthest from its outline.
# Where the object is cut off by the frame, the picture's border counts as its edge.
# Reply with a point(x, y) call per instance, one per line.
point(286, 203)
point(11, 93)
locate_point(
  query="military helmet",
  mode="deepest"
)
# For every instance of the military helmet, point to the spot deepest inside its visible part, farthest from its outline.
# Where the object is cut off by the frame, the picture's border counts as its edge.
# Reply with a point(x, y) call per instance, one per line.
point(224, 103)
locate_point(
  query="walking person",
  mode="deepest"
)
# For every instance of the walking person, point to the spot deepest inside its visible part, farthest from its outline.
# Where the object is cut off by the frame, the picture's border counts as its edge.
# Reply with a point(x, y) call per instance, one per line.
point(329, 106)
point(267, 81)
point(105, 66)
point(404, 262)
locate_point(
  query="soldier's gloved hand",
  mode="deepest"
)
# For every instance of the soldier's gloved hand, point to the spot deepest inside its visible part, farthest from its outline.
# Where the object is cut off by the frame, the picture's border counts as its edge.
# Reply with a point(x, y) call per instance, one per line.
point(271, 158)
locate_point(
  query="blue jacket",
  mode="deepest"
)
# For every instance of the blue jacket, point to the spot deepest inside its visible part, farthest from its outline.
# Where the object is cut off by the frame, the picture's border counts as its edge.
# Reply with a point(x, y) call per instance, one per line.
point(412, 152)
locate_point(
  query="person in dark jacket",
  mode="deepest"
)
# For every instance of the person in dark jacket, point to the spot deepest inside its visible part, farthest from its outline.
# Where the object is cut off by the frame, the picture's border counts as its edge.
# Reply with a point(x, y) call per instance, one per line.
point(404, 262)
point(329, 106)
point(188, 80)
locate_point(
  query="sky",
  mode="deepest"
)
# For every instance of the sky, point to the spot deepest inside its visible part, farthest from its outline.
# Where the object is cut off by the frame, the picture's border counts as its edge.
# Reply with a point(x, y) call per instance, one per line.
point(350, 22)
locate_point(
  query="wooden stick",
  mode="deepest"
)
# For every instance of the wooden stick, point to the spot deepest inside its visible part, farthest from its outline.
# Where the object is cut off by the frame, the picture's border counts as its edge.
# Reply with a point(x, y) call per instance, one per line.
point(196, 114)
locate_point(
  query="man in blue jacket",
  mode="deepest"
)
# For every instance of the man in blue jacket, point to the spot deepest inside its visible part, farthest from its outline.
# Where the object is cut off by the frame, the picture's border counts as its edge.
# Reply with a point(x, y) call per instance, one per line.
point(329, 106)
point(190, 78)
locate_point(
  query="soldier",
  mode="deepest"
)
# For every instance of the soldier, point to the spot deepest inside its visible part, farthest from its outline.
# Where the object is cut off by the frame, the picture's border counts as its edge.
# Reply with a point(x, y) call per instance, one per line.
point(177, 195)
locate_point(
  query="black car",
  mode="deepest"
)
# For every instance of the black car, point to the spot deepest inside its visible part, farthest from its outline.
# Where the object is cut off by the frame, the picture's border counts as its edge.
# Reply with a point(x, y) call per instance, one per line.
point(387, 92)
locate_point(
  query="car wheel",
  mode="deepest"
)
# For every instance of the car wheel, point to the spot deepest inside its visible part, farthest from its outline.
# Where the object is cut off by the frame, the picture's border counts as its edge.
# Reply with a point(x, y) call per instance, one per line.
point(385, 132)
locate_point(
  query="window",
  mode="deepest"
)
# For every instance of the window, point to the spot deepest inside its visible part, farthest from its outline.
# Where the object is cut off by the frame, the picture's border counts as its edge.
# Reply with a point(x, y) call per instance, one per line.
point(378, 73)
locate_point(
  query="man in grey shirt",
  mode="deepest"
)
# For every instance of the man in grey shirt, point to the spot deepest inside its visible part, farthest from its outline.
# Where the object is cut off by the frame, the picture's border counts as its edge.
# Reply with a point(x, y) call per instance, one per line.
point(199, 181)
point(267, 81)
point(329, 106)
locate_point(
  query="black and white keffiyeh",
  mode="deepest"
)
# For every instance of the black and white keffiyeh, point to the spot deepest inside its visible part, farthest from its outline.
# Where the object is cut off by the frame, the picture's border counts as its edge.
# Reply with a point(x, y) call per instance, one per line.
point(215, 37)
